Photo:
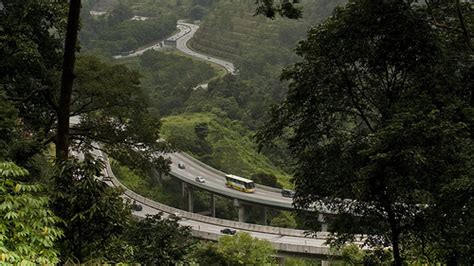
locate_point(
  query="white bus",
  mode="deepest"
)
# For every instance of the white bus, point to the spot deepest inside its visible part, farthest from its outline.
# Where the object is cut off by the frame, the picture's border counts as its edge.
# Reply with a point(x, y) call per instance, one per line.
point(240, 183)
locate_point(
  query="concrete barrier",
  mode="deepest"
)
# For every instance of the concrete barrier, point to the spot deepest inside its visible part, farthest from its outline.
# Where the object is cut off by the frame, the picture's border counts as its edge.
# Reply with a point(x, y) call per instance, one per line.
point(282, 247)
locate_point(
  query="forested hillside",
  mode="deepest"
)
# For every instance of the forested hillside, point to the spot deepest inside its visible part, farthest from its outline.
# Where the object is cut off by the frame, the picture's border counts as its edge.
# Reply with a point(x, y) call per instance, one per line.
point(256, 44)
point(259, 46)
point(168, 79)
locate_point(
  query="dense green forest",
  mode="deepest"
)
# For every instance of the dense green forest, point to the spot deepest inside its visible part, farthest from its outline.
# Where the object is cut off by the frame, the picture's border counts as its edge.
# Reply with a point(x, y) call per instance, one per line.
point(371, 116)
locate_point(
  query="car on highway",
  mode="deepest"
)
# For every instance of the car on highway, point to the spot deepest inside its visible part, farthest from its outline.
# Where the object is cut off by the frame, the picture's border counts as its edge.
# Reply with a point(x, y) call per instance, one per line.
point(228, 231)
point(136, 206)
point(200, 179)
point(287, 193)
point(175, 216)
point(181, 166)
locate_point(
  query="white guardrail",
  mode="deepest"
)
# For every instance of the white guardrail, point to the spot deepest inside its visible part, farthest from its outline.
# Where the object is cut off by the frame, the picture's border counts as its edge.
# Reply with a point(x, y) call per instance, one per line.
point(284, 247)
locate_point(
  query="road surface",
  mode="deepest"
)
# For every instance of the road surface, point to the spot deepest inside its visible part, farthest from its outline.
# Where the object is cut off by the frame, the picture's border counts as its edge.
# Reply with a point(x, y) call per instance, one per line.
point(215, 182)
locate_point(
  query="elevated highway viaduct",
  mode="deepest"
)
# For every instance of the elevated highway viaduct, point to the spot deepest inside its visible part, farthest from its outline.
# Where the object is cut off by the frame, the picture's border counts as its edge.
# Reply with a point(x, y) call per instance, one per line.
point(284, 240)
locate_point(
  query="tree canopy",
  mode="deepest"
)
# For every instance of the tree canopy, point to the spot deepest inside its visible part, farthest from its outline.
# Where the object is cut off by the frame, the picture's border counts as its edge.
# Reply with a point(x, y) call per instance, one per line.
point(93, 213)
point(106, 100)
point(239, 249)
point(159, 241)
point(108, 111)
point(379, 113)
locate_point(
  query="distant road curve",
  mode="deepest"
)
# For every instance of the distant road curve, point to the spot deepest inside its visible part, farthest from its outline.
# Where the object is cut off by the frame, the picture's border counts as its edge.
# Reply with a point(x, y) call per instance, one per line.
point(181, 44)
point(186, 32)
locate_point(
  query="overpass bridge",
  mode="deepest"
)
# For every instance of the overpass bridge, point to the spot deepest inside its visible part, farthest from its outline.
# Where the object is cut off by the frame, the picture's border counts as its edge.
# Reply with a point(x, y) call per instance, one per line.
point(215, 184)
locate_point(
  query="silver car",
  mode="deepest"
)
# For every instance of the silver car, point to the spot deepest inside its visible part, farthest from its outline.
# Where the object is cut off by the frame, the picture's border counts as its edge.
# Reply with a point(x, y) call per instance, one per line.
point(200, 179)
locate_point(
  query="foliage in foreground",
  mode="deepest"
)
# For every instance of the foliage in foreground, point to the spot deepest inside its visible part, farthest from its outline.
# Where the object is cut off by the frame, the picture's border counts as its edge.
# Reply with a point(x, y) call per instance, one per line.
point(108, 104)
point(352, 254)
point(159, 241)
point(28, 228)
point(99, 227)
point(239, 249)
point(93, 213)
point(380, 111)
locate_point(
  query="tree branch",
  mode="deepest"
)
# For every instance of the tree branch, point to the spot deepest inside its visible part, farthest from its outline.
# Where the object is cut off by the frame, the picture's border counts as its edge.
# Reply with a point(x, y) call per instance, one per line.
point(463, 25)
point(352, 96)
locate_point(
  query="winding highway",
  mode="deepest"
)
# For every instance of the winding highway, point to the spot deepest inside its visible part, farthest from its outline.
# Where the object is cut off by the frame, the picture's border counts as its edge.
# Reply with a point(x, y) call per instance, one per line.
point(282, 239)
point(215, 180)
point(186, 32)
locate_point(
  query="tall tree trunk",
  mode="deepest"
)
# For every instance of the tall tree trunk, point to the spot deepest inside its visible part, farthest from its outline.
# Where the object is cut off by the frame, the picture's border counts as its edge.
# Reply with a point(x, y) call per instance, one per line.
point(395, 232)
point(64, 106)
point(396, 249)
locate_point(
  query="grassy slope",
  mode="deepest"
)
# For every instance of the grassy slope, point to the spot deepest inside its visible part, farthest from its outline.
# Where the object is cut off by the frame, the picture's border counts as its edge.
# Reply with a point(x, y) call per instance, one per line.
point(233, 150)
point(143, 185)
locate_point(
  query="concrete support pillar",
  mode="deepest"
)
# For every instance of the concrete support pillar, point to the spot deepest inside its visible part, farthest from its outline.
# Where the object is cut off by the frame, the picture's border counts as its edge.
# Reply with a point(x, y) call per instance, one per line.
point(280, 260)
point(324, 225)
point(241, 213)
point(325, 263)
point(264, 215)
point(190, 199)
point(213, 205)
point(241, 207)
point(183, 189)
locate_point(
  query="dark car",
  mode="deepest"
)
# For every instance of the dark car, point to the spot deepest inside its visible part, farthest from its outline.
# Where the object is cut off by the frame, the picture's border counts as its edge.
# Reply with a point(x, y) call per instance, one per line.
point(136, 206)
point(228, 231)
point(181, 166)
point(175, 216)
point(287, 193)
